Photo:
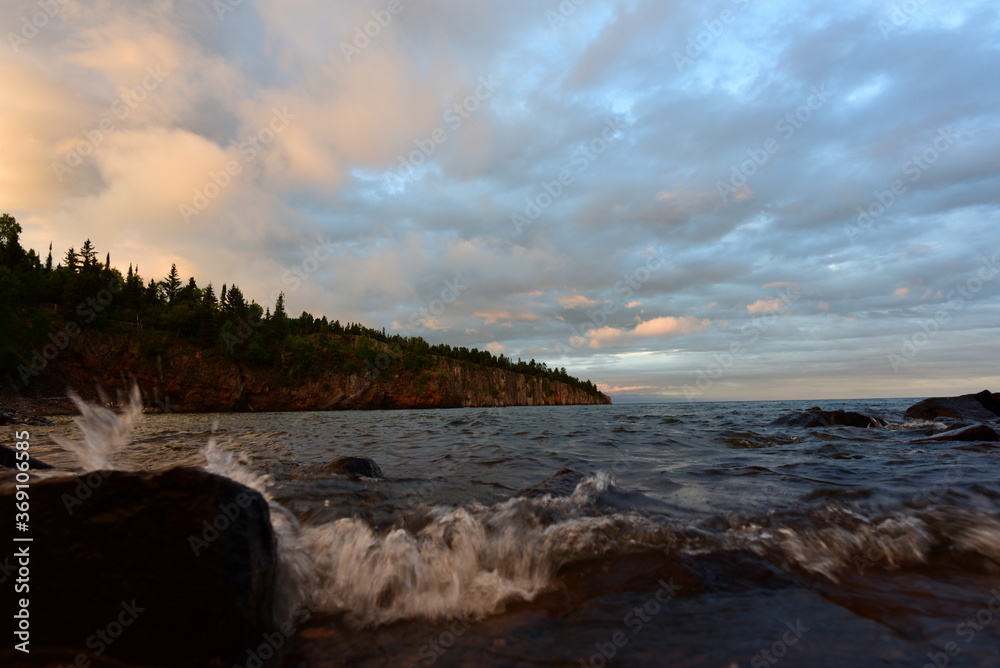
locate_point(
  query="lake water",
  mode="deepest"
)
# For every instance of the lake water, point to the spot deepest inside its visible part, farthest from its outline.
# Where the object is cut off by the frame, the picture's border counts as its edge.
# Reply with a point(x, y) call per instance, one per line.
point(697, 536)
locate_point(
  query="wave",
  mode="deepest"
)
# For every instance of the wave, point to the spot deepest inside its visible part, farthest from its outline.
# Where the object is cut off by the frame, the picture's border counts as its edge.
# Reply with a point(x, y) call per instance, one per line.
point(472, 560)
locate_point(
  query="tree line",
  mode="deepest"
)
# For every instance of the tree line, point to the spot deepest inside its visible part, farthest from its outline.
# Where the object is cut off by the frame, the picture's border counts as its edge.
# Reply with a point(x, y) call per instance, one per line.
point(43, 305)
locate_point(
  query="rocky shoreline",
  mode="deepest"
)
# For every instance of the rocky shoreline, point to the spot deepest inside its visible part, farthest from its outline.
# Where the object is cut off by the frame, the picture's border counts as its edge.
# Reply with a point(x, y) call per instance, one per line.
point(22, 411)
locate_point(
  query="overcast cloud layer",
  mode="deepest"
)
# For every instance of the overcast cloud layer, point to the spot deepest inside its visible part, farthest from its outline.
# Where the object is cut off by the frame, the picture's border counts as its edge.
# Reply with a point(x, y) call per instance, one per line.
point(663, 197)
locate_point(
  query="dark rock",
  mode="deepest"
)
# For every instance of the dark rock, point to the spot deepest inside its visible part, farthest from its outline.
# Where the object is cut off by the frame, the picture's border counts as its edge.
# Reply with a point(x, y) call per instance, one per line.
point(10, 415)
point(976, 432)
point(817, 417)
point(989, 401)
point(135, 556)
point(8, 458)
point(982, 407)
point(354, 466)
point(563, 483)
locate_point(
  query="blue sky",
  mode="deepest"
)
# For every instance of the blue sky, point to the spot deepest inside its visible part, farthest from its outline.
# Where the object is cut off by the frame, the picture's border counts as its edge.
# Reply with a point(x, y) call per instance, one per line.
point(722, 200)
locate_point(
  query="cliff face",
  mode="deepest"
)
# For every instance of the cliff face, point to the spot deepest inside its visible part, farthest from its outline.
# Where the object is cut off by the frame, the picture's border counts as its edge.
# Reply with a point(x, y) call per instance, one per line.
point(184, 377)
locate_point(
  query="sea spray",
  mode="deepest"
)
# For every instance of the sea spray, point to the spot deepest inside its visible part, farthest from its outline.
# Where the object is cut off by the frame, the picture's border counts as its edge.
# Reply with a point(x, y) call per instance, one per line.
point(105, 433)
point(224, 462)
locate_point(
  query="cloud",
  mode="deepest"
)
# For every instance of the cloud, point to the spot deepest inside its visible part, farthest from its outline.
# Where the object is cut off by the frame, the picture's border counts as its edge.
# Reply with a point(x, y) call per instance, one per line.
point(576, 301)
point(767, 305)
point(665, 327)
point(632, 389)
point(802, 220)
point(496, 348)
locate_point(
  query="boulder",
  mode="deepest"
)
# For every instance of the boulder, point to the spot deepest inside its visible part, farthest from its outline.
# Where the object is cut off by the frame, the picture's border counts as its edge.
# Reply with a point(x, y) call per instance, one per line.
point(171, 568)
point(9, 415)
point(817, 417)
point(982, 407)
point(8, 459)
point(354, 466)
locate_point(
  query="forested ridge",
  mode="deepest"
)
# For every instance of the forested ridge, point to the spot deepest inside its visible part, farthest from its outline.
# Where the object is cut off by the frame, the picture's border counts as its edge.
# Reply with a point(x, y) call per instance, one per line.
point(45, 304)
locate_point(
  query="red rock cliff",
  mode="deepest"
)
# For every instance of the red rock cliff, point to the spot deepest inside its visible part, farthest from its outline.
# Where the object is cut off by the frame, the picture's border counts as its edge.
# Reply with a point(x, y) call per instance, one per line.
point(184, 377)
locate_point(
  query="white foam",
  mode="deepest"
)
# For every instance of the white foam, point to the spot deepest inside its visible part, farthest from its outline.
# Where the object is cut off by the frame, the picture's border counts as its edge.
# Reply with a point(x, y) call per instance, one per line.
point(105, 433)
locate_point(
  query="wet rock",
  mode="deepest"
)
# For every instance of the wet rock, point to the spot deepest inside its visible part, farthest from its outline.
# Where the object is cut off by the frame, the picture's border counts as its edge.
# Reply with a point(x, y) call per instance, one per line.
point(8, 459)
point(982, 407)
point(563, 483)
point(354, 466)
point(9, 415)
point(817, 417)
point(174, 568)
point(976, 432)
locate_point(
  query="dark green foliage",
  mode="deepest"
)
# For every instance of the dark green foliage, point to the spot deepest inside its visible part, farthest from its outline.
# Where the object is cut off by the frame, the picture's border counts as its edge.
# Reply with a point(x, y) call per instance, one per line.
point(88, 294)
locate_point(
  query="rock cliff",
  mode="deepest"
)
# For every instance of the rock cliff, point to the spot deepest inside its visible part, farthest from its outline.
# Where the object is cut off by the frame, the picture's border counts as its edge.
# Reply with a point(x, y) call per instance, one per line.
point(186, 378)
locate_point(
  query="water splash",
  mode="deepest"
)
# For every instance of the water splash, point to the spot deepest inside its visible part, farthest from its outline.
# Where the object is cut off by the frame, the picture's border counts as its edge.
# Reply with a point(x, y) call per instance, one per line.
point(105, 433)
point(224, 462)
point(466, 562)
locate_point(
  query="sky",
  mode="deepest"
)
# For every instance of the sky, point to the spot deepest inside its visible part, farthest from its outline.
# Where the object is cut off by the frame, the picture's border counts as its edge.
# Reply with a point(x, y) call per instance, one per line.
point(681, 201)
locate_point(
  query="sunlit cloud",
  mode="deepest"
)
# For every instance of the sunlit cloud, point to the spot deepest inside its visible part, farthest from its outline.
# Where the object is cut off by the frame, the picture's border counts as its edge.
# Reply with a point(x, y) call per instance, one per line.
point(411, 169)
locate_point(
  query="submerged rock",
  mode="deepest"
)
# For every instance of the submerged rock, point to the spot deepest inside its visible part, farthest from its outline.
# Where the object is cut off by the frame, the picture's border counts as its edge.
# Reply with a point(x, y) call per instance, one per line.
point(172, 568)
point(563, 483)
point(354, 466)
point(982, 407)
point(817, 417)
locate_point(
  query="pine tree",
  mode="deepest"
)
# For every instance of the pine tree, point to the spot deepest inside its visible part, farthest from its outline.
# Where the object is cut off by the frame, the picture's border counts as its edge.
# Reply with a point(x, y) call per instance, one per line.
point(88, 256)
point(71, 260)
point(171, 284)
point(48, 260)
